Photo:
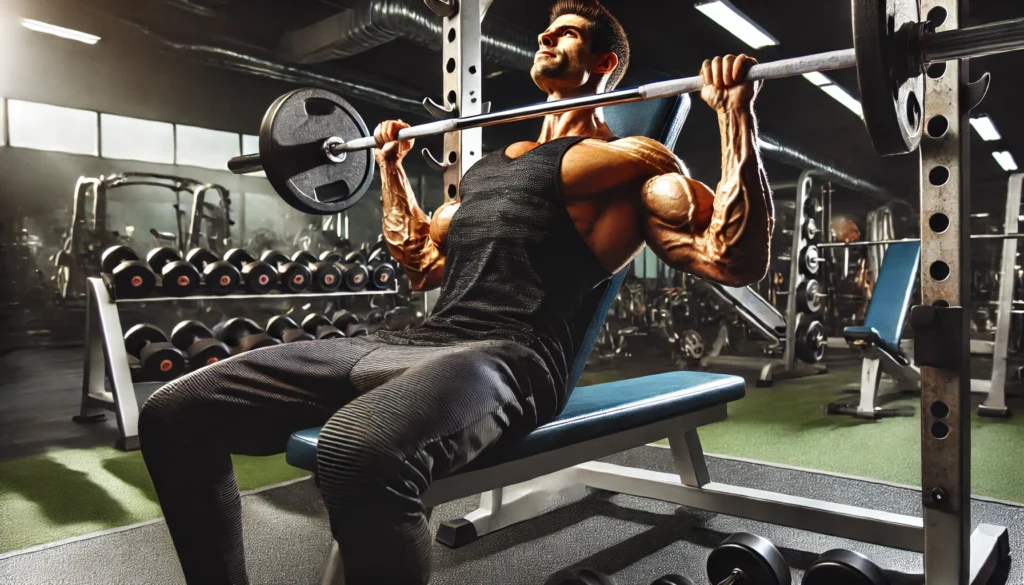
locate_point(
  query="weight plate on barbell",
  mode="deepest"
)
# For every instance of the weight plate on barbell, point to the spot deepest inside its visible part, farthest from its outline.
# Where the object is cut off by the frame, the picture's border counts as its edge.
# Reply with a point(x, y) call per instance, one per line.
point(811, 339)
point(891, 100)
point(292, 154)
point(809, 260)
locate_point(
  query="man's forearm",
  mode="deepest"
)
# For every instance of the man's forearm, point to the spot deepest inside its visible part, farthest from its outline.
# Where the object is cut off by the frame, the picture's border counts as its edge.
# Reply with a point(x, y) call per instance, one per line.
point(743, 215)
point(406, 227)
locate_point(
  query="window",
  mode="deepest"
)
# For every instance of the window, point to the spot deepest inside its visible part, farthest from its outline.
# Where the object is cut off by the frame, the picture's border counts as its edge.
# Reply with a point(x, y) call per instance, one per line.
point(46, 127)
point(251, 145)
point(200, 147)
point(135, 139)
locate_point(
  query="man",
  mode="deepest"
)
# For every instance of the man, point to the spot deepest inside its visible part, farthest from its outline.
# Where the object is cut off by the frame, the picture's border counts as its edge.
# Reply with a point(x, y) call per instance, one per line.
point(519, 259)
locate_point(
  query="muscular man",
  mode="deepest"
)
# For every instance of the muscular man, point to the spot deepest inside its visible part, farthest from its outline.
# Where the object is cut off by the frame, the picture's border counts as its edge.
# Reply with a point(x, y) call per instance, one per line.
point(519, 259)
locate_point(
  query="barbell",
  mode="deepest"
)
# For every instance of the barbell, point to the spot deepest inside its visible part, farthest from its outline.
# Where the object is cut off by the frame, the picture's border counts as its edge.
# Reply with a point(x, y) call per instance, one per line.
point(888, 242)
point(314, 146)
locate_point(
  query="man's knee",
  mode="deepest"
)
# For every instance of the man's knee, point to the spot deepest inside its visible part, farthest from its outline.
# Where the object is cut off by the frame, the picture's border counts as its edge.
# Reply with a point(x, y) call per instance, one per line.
point(179, 405)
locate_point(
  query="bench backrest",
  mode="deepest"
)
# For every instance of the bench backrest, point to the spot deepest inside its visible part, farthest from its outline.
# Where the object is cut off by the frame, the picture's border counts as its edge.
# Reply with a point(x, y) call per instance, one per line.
point(890, 300)
point(662, 120)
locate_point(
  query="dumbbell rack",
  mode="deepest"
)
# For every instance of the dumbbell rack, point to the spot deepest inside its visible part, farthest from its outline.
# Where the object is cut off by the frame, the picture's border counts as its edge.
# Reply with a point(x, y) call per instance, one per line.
point(106, 357)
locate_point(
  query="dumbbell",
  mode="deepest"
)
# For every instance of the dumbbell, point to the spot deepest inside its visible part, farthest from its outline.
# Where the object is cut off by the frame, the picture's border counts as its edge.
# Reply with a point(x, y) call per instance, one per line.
point(402, 317)
point(354, 276)
point(158, 359)
point(243, 334)
point(132, 277)
point(286, 329)
point(257, 276)
point(746, 559)
point(349, 323)
point(374, 320)
point(198, 342)
point(382, 271)
point(580, 577)
point(177, 277)
point(220, 276)
point(326, 275)
point(292, 276)
point(841, 567)
point(321, 327)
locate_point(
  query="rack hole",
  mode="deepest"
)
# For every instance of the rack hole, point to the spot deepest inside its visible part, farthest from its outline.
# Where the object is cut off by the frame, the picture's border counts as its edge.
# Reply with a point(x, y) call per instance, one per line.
point(940, 409)
point(472, 69)
point(451, 191)
point(452, 97)
point(939, 270)
point(936, 18)
point(939, 222)
point(940, 430)
point(913, 112)
point(450, 66)
point(937, 126)
point(940, 304)
point(451, 35)
point(452, 157)
point(938, 176)
point(937, 70)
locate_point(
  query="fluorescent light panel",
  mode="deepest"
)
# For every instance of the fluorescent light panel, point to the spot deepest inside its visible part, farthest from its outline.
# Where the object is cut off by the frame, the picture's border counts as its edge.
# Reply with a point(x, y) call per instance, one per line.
point(985, 128)
point(1005, 160)
point(59, 31)
point(818, 79)
point(740, 25)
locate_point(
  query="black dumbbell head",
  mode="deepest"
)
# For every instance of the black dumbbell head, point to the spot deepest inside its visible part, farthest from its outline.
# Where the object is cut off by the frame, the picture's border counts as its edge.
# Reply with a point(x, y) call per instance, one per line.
point(239, 257)
point(200, 257)
point(295, 277)
point(232, 330)
point(354, 277)
point(206, 352)
point(844, 567)
point(161, 361)
point(259, 277)
point(160, 257)
point(186, 333)
point(279, 324)
point(115, 255)
point(221, 277)
point(382, 275)
point(304, 257)
point(274, 257)
point(133, 279)
point(375, 316)
point(179, 278)
point(672, 580)
point(756, 557)
point(327, 276)
point(293, 335)
point(342, 319)
point(141, 335)
point(256, 341)
point(380, 254)
point(332, 257)
point(355, 257)
point(313, 321)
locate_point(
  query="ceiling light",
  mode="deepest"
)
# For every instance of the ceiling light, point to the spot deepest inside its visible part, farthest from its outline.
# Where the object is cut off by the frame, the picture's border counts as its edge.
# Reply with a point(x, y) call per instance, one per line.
point(731, 19)
point(817, 78)
point(1005, 160)
point(59, 31)
point(985, 128)
point(840, 95)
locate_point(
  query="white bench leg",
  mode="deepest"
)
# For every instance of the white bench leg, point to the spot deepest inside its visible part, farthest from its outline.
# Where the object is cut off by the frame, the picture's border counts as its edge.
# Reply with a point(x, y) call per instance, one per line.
point(506, 506)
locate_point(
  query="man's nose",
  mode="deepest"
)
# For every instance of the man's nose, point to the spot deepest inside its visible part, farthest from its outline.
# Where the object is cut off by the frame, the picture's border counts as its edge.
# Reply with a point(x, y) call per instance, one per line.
point(545, 40)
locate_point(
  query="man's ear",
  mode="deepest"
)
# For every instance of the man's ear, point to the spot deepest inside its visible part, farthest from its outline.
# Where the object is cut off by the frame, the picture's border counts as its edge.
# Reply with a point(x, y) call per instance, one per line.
point(606, 64)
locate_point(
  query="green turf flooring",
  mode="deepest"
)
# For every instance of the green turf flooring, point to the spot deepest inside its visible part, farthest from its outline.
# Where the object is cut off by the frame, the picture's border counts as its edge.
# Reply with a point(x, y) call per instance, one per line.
point(71, 492)
point(66, 493)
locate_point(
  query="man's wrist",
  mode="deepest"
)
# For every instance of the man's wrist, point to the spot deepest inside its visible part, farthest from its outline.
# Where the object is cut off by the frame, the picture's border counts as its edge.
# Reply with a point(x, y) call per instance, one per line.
point(738, 109)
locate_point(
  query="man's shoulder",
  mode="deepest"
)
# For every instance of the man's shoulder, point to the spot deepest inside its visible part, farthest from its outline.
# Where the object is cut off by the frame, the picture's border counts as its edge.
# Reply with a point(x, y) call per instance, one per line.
point(640, 150)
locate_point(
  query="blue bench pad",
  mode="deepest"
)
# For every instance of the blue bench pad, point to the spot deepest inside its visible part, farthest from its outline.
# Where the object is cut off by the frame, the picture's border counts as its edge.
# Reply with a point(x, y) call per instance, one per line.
point(592, 412)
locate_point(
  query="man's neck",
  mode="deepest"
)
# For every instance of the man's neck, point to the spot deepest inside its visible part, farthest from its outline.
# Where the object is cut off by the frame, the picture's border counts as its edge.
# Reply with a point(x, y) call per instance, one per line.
point(582, 122)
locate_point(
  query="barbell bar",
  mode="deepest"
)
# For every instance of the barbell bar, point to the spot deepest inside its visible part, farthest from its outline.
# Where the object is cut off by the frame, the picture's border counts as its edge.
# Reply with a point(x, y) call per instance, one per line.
point(888, 242)
point(963, 43)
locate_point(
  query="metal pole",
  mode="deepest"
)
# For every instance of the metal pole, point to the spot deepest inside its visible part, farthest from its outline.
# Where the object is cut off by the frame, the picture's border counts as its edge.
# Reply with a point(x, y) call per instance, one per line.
point(1013, 236)
point(945, 284)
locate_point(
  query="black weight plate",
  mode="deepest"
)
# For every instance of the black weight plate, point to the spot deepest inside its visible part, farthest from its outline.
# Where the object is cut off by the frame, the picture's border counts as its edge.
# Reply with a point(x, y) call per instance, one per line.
point(186, 333)
point(811, 230)
point(844, 567)
point(206, 352)
point(133, 279)
point(274, 257)
point(161, 362)
point(809, 260)
point(136, 338)
point(354, 277)
point(291, 151)
point(342, 319)
point(757, 558)
point(812, 207)
point(314, 321)
point(327, 277)
point(239, 257)
point(329, 332)
point(811, 339)
point(180, 278)
point(383, 276)
point(160, 257)
point(892, 102)
point(221, 277)
point(259, 277)
point(114, 256)
point(295, 277)
point(232, 330)
point(808, 296)
point(200, 257)
point(304, 257)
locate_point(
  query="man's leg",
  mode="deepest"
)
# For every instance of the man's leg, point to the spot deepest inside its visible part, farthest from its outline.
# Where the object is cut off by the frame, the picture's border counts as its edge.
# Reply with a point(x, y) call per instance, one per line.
point(379, 453)
point(249, 405)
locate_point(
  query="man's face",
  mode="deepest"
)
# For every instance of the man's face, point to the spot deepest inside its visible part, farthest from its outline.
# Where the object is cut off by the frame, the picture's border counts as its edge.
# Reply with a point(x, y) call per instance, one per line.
point(563, 60)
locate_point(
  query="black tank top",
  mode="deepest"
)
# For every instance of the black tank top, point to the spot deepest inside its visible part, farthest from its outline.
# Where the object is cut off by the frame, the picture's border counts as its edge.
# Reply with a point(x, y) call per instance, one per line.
point(516, 267)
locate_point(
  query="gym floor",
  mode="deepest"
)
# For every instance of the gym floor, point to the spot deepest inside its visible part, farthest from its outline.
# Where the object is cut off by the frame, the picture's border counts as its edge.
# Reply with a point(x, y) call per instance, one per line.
point(75, 510)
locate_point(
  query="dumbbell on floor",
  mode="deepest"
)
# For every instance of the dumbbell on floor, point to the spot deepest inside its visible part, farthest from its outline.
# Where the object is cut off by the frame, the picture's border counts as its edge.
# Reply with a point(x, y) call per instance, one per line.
point(198, 342)
point(131, 277)
point(354, 276)
point(293, 277)
point(349, 323)
point(580, 577)
point(326, 275)
point(258, 277)
point(243, 335)
point(158, 360)
point(321, 327)
point(177, 277)
point(746, 559)
point(220, 277)
point(286, 329)
point(843, 567)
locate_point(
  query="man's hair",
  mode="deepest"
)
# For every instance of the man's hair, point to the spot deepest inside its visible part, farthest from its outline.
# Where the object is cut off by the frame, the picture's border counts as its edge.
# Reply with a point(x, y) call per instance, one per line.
point(606, 34)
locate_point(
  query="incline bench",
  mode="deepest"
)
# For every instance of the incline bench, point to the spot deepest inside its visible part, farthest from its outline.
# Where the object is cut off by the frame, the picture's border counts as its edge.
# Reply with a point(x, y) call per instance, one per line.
point(518, 482)
point(878, 339)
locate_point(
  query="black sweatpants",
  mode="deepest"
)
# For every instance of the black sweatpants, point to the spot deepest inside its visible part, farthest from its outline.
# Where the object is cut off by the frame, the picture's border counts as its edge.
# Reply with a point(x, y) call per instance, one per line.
point(395, 418)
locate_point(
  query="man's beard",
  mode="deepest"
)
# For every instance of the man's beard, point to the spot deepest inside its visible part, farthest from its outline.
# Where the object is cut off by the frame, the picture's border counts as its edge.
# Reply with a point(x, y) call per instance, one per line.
point(551, 68)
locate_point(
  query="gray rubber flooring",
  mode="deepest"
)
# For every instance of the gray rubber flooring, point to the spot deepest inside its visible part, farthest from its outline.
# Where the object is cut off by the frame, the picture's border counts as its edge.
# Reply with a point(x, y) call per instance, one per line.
point(635, 539)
